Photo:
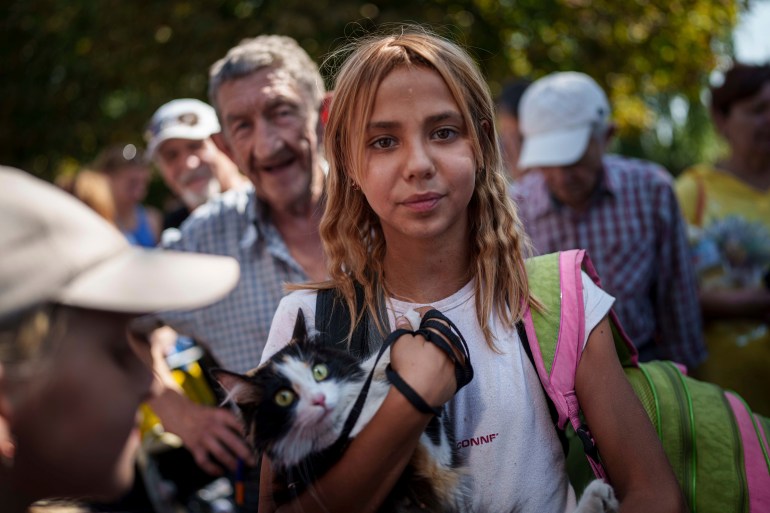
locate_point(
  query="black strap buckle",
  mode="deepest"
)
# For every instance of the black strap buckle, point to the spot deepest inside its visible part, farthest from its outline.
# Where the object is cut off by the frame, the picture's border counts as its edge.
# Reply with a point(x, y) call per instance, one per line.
point(588, 442)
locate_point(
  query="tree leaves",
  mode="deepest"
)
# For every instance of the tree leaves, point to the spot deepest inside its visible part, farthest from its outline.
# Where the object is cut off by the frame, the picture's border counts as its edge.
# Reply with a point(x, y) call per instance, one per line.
point(78, 75)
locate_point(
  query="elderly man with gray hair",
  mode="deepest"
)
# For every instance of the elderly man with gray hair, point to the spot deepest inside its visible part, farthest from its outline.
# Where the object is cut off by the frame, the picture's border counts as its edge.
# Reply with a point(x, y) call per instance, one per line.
point(267, 94)
point(622, 210)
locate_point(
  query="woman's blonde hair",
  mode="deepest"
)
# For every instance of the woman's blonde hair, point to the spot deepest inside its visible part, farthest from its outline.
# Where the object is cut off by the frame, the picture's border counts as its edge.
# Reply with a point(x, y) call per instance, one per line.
point(350, 229)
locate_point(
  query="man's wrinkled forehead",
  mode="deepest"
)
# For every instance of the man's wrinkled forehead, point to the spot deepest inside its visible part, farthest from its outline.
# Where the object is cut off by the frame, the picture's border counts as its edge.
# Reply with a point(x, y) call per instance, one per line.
point(261, 89)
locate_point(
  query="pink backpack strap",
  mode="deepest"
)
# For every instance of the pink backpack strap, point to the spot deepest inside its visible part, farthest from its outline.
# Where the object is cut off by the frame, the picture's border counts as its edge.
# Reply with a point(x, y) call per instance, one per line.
point(754, 455)
point(558, 378)
point(559, 383)
point(569, 345)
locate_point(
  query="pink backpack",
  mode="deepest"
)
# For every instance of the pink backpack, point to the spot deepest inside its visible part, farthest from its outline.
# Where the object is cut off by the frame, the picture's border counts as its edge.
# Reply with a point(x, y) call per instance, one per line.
point(717, 447)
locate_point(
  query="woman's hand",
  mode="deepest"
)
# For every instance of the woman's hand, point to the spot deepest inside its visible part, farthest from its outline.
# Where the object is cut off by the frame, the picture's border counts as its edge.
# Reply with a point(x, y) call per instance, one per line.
point(423, 365)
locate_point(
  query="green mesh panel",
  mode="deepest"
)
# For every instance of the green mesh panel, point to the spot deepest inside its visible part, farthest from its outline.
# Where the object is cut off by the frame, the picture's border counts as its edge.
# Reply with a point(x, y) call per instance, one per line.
point(699, 435)
point(543, 276)
point(721, 475)
point(674, 423)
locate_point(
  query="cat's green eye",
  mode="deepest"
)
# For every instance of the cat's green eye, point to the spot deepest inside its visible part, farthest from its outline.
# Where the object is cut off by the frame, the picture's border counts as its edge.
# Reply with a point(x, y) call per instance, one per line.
point(284, 397)
point(320, 372)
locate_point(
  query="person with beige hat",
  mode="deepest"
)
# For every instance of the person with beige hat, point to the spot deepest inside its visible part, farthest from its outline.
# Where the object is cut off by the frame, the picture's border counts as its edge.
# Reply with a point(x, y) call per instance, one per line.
point(70, 381)
point(622, 210)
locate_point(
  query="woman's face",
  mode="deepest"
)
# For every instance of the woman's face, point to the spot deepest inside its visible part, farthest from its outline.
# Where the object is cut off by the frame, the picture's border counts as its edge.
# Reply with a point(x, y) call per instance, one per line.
point(129, 184)
point(419, 167)
point(75, 424)
point(747, 126)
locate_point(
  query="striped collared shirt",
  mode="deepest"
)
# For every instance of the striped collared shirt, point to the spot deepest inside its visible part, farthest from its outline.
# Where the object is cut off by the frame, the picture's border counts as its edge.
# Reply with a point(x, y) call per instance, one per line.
point(635, 235)
point(235, 329)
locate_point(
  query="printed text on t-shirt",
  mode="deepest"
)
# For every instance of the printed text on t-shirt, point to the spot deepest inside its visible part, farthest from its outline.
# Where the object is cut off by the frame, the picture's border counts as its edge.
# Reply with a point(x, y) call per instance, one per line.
point(478, 440)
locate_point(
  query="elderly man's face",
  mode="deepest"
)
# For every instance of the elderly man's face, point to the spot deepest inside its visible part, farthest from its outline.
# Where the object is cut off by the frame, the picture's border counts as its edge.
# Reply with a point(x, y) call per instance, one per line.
point(574, 184)
point(191, 169)
point(269, 126)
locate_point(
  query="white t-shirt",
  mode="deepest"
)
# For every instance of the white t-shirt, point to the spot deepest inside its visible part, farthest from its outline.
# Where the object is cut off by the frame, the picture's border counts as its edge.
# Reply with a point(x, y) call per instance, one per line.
point(502, 425)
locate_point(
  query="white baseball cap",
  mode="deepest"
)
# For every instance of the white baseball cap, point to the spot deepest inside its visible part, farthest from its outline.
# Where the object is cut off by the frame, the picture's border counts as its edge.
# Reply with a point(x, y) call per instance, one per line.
point(53, 248)
point(557, 115)
point(185, 118)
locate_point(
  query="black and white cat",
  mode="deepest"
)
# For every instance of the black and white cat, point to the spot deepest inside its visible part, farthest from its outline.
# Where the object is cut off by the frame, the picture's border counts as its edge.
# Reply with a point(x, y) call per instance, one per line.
point(294, 408)
point(295, 405)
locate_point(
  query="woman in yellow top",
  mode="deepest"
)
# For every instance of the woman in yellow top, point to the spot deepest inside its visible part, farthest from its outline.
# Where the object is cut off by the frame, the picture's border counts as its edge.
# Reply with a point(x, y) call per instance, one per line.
point(728, 209)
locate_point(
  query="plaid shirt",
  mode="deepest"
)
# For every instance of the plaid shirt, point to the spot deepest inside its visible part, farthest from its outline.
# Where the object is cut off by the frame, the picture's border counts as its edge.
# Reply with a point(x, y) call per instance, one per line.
point(634, 232)
point(235, 329)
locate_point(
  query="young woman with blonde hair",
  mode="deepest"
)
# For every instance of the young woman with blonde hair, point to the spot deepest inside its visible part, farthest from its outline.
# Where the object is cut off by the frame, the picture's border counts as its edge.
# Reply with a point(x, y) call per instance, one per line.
point(417, 214)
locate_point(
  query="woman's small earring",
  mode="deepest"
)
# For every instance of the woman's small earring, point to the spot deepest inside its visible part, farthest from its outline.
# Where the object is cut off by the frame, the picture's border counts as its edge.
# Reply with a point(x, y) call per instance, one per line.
point(354, 186)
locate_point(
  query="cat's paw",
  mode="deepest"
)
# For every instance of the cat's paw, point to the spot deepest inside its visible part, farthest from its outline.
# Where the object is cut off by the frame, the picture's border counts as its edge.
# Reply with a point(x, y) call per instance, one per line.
point(598, 497)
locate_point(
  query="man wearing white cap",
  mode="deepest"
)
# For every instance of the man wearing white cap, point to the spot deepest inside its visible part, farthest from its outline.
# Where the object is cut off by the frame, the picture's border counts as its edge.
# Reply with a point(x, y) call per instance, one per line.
point(622, 210)
point(179, 141)
point(70, 382)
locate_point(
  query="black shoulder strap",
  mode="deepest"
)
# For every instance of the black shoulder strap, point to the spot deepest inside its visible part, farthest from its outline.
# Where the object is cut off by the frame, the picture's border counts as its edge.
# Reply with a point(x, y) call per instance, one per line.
point(332, 321)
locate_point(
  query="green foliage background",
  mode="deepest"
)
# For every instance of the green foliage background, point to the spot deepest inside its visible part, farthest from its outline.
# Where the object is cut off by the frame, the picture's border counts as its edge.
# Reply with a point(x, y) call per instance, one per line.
point(80, 74)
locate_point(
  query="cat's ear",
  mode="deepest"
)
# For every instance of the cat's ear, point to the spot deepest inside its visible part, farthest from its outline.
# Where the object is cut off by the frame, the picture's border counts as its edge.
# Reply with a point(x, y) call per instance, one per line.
point(300, 329)
point(238, 387)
